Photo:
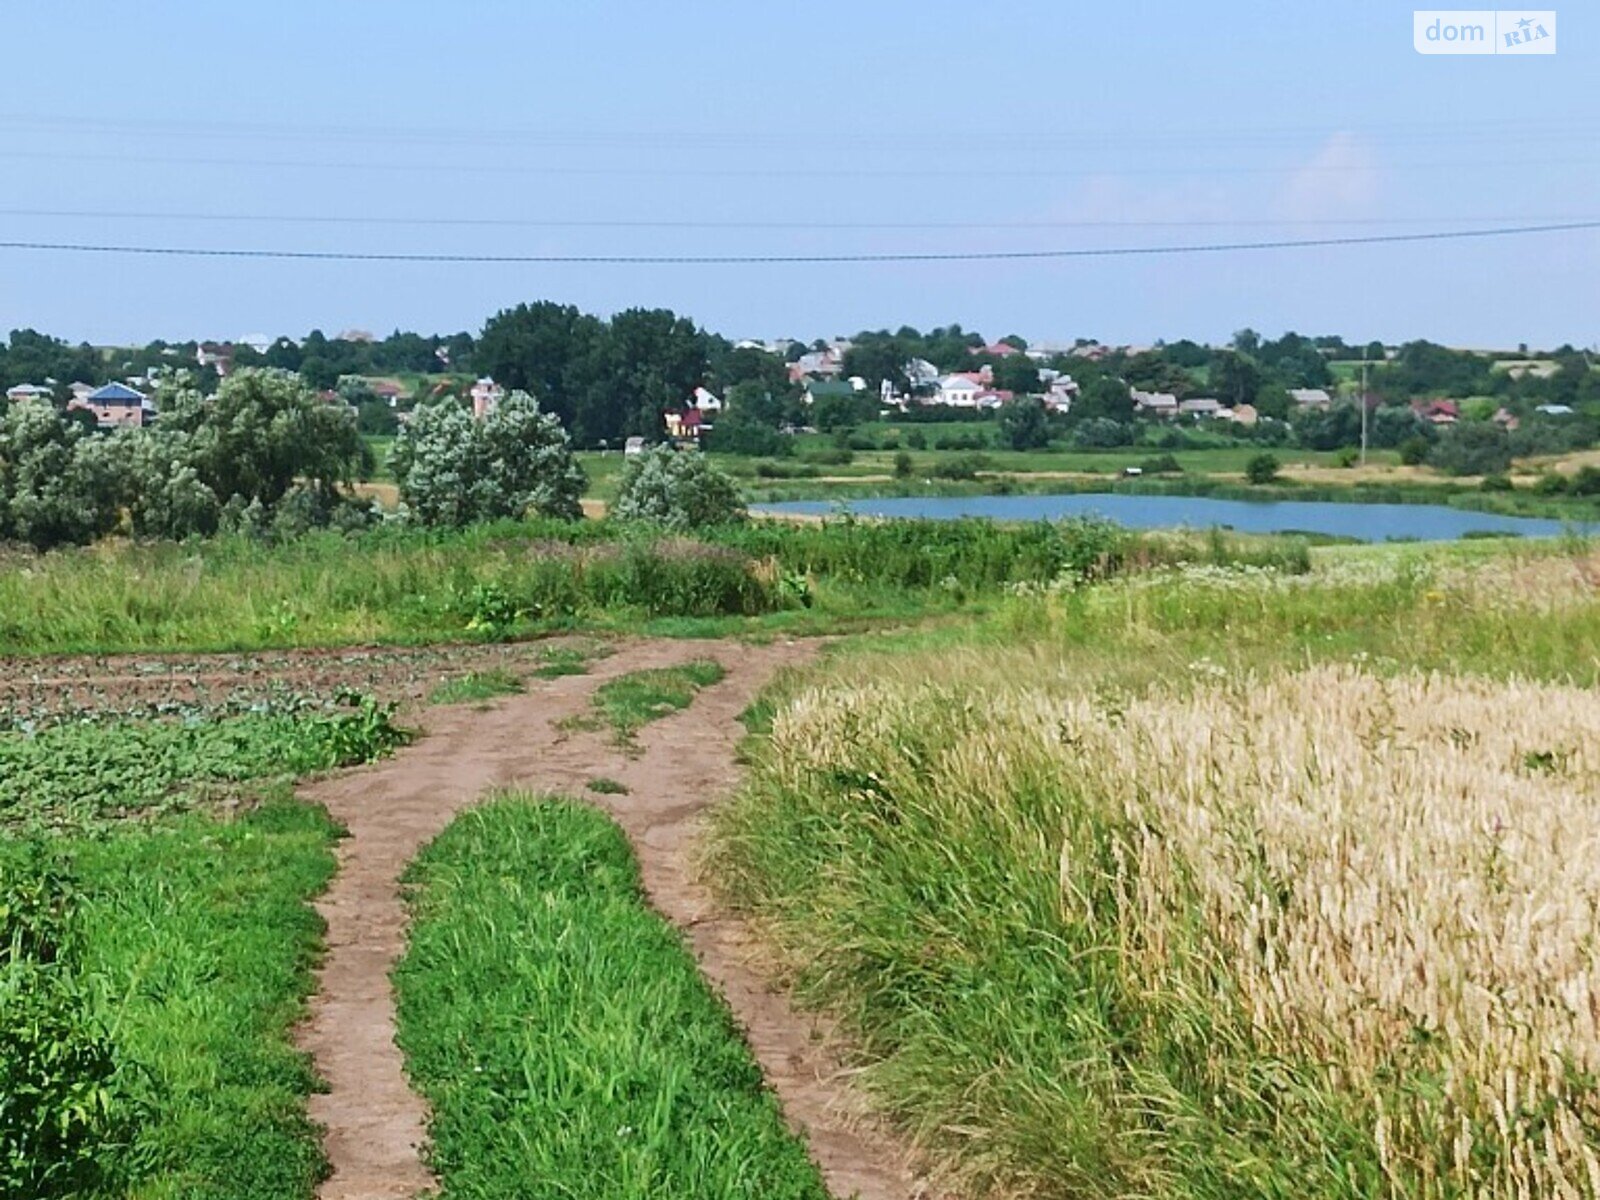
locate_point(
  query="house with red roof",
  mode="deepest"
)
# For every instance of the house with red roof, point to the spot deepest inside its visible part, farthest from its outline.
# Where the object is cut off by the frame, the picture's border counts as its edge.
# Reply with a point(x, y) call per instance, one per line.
point(1440, 412)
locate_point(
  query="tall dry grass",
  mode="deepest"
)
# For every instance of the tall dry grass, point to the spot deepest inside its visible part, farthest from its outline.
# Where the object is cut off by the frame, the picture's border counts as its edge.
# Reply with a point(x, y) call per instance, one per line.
point(1304, 933)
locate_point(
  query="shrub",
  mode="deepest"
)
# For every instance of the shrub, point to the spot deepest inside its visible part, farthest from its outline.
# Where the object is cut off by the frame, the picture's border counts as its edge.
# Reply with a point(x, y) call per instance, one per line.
point(677, 490)
point(1262, 469)
point(962, 466)
point(454, 470)
point(1102, 433)
point(833, 456)
point(1474, 449)
point(903, 465)
point(1414, 451)
point(57, 486)
point(1550, 484)
point(1164, 464)
point(1025, 423)
point(1586, 482)
point(1496, 483)
point(739, 433)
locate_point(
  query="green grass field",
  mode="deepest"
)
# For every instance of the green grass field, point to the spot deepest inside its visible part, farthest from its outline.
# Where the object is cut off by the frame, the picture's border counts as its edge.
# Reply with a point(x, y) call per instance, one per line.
point(561, 1032)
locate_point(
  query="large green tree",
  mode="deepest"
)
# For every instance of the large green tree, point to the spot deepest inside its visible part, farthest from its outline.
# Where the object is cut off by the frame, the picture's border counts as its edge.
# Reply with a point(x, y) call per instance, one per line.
point(264, 432)
point(546, 349)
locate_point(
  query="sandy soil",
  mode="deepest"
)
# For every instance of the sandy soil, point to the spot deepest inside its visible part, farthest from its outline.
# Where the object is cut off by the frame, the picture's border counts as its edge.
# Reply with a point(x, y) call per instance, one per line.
point(375, 1125)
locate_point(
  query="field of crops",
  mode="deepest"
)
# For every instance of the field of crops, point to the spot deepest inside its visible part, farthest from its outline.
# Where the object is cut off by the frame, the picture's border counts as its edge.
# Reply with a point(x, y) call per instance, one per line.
point(156, 938)
point(1210, 883)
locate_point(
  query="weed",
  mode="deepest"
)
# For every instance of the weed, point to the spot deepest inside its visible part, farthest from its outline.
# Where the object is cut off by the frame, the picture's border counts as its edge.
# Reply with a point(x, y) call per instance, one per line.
point(476, 687)
point(630, 702)
point(602, 786)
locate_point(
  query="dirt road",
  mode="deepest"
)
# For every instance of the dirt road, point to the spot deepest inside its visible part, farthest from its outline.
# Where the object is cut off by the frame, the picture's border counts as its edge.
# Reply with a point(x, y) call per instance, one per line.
point(375, 1124)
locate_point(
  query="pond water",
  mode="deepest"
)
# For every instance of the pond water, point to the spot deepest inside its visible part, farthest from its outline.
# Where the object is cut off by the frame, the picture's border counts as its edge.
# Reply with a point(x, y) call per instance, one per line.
point(1368, 522)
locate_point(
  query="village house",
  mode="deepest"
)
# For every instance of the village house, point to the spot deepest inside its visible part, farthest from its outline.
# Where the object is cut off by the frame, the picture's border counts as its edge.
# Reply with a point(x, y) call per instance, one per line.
point(687, 425)
point(997, 350)
point(1310, 397)
point(1200, 406)
point(921, 374)
point(486, 397)
point(1439, 412)
point(706, 401)
point(117, 406)
point(959, 391)
point(1160, 404)
point(215, 354)
point(27, 391)
point(822, 364)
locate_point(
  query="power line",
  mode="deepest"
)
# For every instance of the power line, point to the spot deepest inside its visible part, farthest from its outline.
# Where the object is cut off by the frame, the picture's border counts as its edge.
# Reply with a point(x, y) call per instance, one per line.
point(641, 170)
point(1434, 131)
point(784, 259)
point(813, 226)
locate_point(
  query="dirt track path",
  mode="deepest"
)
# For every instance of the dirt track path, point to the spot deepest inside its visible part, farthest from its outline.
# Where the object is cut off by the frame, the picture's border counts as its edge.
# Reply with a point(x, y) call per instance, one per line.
point(375, 1124)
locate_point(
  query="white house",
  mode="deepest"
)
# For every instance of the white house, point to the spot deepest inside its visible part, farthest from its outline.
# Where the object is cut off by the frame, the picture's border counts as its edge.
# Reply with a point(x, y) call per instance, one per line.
point(27, 391)
point(1200, 406)
point(922, 373)
point(1063, 391)
point(707, 401)
point(959, 391)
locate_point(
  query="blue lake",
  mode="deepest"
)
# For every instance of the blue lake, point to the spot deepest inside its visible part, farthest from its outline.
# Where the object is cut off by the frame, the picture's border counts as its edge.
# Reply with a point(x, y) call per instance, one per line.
point(1368, 522)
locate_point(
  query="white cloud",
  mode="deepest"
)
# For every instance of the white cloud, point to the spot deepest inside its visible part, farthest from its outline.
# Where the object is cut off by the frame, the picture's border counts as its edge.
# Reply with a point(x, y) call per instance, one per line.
point(1341, 180)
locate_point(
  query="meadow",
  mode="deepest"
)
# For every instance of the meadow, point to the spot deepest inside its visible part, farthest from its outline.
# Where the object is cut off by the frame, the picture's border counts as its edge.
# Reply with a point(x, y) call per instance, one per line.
point(1208, 882)
point(495, 582)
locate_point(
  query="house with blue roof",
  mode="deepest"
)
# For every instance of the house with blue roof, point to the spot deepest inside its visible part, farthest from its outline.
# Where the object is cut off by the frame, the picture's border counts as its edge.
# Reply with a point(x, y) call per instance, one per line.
point(117, 406)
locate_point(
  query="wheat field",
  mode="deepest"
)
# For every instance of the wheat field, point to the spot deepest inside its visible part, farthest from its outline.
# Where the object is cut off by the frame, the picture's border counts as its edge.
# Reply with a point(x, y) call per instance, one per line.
point(1324, 931)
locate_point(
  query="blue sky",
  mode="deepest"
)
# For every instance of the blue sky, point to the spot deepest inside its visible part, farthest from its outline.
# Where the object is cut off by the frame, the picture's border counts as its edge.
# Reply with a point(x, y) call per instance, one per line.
point(819, 128)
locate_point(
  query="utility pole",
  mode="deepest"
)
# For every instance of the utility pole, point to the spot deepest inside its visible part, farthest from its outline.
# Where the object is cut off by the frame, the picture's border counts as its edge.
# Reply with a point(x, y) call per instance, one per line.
point(1363, 406)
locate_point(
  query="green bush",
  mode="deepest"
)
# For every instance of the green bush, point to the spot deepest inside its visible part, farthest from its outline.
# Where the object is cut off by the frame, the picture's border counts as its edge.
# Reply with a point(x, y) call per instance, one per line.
point(1586, 482)
point(1414, 451)
point(1479, 448)
point(455, 470)
point(961, 466)
point(1164, 464)
point(678, 490)
point(1261, 469)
